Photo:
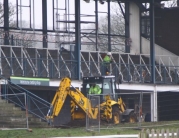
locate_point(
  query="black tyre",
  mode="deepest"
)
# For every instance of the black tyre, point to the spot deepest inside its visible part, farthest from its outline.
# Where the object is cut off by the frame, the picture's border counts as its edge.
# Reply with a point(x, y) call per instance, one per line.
point(116, 115)
point(132, 118)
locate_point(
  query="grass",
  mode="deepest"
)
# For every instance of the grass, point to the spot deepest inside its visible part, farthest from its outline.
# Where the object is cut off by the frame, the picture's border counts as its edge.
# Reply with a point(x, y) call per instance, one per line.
point(57, 132)
point(64, 132)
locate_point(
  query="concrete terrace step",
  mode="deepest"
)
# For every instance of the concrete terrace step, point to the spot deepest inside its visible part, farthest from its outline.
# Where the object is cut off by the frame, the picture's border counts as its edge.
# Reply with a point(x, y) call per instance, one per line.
point(20, 118)
point(22, 126)
point(14, 117)
point(10, 108)
point(12, 114)
point(35, 119)
point(6, 104)
point(9, 112)
point(2, 101)
point(22, 122)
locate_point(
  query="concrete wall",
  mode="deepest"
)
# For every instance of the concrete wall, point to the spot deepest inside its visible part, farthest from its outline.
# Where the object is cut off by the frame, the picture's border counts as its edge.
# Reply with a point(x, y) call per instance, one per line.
point(134, 24)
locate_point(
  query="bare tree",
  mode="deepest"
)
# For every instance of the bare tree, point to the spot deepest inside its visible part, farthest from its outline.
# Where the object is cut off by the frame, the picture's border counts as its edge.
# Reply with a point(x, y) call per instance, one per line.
point(117, 27)
point(19, 37)
point(16, 37)
point(12, 12)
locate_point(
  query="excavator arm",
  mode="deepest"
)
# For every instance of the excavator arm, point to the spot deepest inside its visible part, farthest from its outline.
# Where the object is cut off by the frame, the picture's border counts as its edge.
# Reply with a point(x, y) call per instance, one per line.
point(76, 95)
point(59, 98)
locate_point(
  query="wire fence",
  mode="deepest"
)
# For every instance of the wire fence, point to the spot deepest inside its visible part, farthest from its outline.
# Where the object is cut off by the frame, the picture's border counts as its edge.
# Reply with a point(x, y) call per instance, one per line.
point(93, 123)
point(12, 96)
point(11, 115)
point(141, 104)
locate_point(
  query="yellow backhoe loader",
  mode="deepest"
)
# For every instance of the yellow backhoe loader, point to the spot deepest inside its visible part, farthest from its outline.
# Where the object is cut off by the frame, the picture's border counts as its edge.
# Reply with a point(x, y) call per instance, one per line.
point(108, 107)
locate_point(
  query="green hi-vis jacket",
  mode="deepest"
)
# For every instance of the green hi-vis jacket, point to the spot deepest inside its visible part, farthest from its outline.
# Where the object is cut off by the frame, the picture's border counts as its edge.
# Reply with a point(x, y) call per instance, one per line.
point(106, 59)
point(95, 90)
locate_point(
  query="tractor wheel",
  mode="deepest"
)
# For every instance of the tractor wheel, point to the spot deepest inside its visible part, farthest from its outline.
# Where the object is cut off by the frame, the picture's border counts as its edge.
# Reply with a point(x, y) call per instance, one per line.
point(132, 118)
point(116, 115)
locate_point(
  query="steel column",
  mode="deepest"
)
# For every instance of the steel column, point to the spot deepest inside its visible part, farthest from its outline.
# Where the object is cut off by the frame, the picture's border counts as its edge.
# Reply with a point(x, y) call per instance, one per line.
point(77, 37)
point(109, 27)
point(96, 18)
point(127, 29)
point(17, 13)
point(6, 22)
point(30, 10)
point(140, 23)
point(44, 23)
point(154, 115)
point(152, 42)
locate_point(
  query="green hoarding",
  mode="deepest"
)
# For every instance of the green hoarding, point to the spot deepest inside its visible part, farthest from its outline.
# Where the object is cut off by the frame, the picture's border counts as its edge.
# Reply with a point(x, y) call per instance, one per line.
point(30, 81)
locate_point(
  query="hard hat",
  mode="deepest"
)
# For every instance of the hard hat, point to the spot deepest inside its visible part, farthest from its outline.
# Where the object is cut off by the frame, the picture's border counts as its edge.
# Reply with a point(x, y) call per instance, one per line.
point(109, 54)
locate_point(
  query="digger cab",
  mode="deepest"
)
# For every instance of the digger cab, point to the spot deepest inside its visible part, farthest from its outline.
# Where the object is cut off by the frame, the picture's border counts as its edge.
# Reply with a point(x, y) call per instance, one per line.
point(106, 83)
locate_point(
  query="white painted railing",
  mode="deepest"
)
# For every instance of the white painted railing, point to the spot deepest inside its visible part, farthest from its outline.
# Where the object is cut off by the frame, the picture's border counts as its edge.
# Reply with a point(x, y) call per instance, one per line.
point(124, 64)
point(161, 54)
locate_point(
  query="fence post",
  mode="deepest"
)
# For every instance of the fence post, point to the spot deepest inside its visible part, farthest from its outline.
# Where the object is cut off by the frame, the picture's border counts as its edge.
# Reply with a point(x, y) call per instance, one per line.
point(147, 133)
point(143, 135)
point(163, 133)
point(140, 134)
point(177, 133)
point(167, 133)
point(158, 133)
point(153, 133)
point(172, 131)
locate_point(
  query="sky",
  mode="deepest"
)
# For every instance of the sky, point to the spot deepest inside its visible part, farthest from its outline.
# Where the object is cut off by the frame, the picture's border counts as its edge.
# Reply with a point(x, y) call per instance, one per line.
point(86, 8)
point(36, 11)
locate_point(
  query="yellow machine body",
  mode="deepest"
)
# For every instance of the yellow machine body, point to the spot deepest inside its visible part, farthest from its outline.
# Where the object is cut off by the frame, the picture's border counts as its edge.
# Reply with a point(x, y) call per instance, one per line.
point(81, 105)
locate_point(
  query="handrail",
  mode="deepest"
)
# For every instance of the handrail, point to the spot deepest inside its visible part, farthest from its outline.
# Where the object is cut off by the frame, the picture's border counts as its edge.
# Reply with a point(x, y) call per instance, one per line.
point(85, 63)
point(117, 68)
point(17, 59)
point(120, 64)
point(59, 54)
point(54, 63)
point(159, 73)
point(43, 63)
point(125, 66)
point(141, 59)
point(165, 68)
point(7, 61)
point(95, 64)
point(134, 66)
point(36, 100)
point(29, 61)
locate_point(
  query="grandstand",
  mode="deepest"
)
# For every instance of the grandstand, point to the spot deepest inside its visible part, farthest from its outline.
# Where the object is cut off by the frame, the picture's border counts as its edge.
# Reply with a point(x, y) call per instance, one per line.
point(149, 63)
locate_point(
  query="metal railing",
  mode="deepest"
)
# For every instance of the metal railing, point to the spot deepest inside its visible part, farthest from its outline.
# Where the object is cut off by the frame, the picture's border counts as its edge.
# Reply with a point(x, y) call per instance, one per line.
point(40, 106)
point(44, 63)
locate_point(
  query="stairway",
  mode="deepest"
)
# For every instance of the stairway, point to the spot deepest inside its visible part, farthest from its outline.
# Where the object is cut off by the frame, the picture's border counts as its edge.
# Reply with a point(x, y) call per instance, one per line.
point(13, 117)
